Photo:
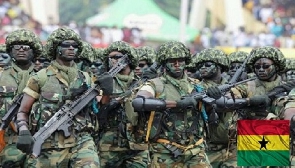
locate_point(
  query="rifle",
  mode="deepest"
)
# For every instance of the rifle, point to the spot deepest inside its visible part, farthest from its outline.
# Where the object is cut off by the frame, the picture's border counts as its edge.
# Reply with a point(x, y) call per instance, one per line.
point(6, 120)
point(62, 119)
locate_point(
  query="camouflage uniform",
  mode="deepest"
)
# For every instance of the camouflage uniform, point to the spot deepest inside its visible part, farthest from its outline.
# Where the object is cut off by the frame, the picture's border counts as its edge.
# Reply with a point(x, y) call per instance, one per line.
point(118, 144)
point(218, 139)
point(175, 129)
point(12, 82)
point(51, 87)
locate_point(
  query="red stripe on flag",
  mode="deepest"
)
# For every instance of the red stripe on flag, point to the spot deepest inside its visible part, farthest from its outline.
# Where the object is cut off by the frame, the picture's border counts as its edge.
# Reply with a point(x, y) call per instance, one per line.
point(263, 127)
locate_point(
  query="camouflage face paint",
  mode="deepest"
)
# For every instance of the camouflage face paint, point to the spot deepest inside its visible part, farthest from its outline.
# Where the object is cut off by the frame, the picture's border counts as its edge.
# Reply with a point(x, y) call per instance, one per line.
point(175, 67)
point(233, 68)
point(208, 70)
point(264, 68)
point(97, 67)
point(290, 75)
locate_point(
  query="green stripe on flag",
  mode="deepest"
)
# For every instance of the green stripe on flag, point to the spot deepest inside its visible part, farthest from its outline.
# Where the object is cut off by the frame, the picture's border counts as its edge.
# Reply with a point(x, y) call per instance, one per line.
point(263, 158)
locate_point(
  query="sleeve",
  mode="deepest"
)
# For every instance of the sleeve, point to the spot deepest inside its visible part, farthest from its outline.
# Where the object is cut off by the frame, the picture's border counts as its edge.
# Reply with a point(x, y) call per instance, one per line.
point(32, 88)
point(148, 87)
point(291, 100)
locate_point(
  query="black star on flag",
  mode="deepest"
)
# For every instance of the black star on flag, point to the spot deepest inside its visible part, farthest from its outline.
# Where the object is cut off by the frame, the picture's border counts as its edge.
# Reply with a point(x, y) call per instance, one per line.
point(263, 143)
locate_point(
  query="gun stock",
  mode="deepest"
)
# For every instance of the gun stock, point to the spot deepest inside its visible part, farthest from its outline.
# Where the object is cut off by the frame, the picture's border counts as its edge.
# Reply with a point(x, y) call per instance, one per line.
point(62, 119)
point(7, 118)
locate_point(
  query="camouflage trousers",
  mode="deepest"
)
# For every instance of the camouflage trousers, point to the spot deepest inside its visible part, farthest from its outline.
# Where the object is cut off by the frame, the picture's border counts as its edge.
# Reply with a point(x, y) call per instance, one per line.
point(125, 159)
point(220, 156)
point(84, 155)
point(194, 158)
point(12, 157)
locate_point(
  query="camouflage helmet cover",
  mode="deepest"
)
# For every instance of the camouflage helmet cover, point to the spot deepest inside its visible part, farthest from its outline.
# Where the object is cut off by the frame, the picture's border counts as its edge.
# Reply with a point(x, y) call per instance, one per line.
point(268, 52)
point(213, 55)
point(98, 53)
point(124, 48)
point(146, 53)
point(25, 37)
point(290, 64)
point(57, 37)
point(87, 52)
point(238, 56)
point(3, 48)
point(173, 49)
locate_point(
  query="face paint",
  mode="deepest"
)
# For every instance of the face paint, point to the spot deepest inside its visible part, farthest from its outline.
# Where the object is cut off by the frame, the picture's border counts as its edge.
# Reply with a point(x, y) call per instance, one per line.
point(113, 58)
point(264, 69)
point(290, 75)
point(233, 68)
point(175, 67)
point(208, 70)
point(97, 67)
point(67, 50)
point(4, 59)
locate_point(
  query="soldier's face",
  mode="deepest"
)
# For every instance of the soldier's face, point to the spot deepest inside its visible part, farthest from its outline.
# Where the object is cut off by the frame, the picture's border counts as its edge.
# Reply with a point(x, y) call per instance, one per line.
point(290, 75)
point(67, 50)
point(208, 69)
point(175, 67)
point(4, 59)
point(39, 63)
point(264, 68)
point(114, 57)
point(97, 67)
point(233, 68)
point(141, 65)
point(22, 54)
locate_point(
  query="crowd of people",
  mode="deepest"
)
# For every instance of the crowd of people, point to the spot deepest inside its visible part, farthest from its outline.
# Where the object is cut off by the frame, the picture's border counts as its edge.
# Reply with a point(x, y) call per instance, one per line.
point(126, 106)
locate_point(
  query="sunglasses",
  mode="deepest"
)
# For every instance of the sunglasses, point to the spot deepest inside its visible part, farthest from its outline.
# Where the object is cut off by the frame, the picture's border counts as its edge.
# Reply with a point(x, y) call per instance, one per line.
point(41, 60)
point(18, 47)
point(206, 64)
point(68, 45)
point(234, 67)
point(116, 57)
point(141, 65)
point(96, 64)
point(264, 66)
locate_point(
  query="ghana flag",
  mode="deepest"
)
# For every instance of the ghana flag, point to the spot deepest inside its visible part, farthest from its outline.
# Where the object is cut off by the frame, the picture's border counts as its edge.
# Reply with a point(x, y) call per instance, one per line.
point(263, 143)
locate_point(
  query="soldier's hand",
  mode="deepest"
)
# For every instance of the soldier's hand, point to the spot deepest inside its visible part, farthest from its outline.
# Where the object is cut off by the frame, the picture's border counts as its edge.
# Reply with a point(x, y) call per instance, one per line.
point(186, 102)
point(261, 100)
point(25, 141)
point(105, 81)
point(214, 92)
point(78, 91)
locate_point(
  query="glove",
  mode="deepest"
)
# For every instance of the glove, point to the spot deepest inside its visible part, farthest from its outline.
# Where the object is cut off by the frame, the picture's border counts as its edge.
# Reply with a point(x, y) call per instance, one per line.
point(25, 141)
point(214, 92)
point(105, 81)
point(186, 102)
point(78, 91)
point(261, 100)
point(149, 73)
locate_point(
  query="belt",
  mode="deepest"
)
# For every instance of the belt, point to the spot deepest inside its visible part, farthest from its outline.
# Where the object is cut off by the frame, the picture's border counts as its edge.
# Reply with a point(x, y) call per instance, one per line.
point(184, 148)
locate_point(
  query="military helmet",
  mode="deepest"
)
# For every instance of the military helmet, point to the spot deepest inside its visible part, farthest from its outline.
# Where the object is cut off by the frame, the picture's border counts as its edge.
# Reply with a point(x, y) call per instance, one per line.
point(124, 48)
point(173, 49)
point(87, 52)
point(98, 53)
point(3, 48)
point(290, 64)
point(238, 56)
point(213, 55)
point(146, 53)
point(25, 37)
point(58, 36)
point(268, 52)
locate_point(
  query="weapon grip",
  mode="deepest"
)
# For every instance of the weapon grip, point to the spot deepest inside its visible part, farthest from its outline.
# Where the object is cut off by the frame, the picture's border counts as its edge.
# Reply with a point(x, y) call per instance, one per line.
point(65, 129)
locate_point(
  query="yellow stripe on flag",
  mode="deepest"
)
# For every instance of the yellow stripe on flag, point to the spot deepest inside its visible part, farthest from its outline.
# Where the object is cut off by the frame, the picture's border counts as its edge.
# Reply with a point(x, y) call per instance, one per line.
point(274, 142)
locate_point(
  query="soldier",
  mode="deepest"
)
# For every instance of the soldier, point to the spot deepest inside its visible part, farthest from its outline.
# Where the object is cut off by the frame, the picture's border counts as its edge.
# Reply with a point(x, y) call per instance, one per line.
point(40, 62)
point(175, 135)
point(5, 58)
point(45, 93)
point(236, 59)
point(97, 65)
point(118, 145)
point(146, 56)
point(289, 72)
point(211, 64)
point(22, 45)
point(252, 100)
point(86, 56)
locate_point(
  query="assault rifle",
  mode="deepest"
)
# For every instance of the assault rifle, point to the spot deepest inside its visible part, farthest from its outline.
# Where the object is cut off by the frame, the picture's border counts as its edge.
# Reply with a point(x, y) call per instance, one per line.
point(62, 119)
point(6, 120)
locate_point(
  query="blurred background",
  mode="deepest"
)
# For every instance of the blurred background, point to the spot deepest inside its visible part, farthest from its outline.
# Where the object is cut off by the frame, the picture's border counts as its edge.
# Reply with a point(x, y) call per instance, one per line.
point(230, 25)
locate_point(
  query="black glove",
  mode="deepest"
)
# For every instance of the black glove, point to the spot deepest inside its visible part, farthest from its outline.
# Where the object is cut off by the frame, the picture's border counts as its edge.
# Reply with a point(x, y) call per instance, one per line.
point(25, 141)
point(261, 100)
point(149, 73)
point(186, 102)
point(105, 81)
point(214, 92)
point(78, 91)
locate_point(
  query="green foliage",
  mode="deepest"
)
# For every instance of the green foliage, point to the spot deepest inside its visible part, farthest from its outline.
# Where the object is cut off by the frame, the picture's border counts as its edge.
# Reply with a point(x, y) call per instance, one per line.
point(172, 7)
